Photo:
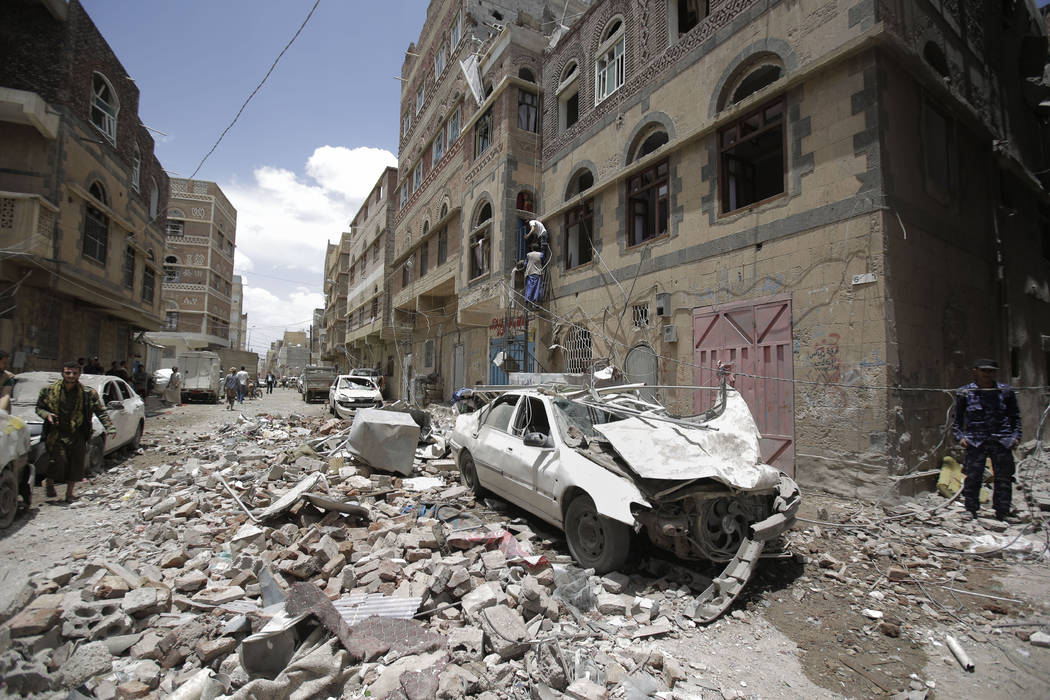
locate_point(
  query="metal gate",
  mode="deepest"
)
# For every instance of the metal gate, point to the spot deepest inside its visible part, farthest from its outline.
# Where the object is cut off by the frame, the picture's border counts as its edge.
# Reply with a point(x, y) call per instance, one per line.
point(457, 368)
point(640, 366)
point(755, 338)
point(516, 358)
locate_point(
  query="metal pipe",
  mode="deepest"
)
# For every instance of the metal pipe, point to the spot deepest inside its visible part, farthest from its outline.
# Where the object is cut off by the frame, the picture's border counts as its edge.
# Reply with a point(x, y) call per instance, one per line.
point(960, 654)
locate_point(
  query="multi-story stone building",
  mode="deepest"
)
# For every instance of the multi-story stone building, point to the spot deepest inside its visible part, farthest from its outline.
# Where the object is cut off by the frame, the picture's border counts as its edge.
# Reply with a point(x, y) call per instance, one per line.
point(82, 196)
point(198, 268)
point(836, 198)
point(469, 173)
point(369, 328)
point(336, 272)
point(238, 319)
point(293, 355)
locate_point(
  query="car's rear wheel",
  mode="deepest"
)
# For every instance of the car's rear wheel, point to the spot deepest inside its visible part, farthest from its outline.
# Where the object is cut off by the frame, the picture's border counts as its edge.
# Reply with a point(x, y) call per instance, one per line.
point(595, 542)
point(8, 496)
point(96, 454)
point(468, 472)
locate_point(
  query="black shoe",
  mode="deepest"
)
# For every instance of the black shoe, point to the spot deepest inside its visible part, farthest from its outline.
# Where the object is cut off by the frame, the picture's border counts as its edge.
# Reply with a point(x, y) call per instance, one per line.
point(972, 514)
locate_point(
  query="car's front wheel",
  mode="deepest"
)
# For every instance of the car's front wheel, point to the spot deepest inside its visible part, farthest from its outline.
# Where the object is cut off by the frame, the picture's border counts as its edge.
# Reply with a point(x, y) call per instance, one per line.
point(134, 444)
point(595, 542)
point(468, 472)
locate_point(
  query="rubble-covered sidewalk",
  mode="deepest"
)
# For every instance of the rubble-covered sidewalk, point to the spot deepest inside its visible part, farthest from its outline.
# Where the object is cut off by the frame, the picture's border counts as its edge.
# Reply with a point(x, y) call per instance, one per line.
point(272, 561)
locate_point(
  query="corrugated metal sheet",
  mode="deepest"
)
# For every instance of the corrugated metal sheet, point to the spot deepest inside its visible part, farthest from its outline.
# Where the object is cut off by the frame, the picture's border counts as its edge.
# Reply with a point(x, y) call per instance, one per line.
point(355, 608)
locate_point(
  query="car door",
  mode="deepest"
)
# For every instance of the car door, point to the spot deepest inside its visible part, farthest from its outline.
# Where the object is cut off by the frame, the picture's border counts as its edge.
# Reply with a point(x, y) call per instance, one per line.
point(134, 408)
point(490, 445)
point(523, 464)
point(114, 403)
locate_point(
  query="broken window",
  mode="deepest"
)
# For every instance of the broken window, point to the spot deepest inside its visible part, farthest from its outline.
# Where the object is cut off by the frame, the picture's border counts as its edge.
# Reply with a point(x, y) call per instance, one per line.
point(528, 104)
point(480, 242)
point(104, 107)
point(428, 353)
point(752, 166)
point(532, 417)
point(524, 201)
point(688, 14)
point(756, 80)
point(579, 234)
point(136, 168)
point(640, 315)
point(442, 243)
point(651, 141)
point(647, 196)
point(569, 96)
point(501, 411)
point(483, 133)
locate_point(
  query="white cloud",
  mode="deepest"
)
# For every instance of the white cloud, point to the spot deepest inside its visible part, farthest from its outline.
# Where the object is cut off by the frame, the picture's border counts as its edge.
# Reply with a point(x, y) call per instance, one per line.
point(284, 220)
point(269, 315)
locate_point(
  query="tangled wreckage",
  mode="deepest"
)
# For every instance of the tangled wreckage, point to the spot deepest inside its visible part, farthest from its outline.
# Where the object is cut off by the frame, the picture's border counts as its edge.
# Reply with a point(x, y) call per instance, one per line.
point(605, 465)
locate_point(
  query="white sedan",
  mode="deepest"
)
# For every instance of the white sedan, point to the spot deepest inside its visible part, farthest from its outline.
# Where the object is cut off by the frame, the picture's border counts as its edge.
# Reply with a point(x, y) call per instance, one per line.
point(125, 408)
point(351, 392)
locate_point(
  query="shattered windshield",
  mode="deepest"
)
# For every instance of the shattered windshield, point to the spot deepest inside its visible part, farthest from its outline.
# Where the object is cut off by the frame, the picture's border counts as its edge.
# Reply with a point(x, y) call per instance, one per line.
point(576, 420)
point(355, 383)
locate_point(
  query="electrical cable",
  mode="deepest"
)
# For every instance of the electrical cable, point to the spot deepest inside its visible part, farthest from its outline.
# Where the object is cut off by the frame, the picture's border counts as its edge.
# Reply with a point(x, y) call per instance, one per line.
point(257, 88)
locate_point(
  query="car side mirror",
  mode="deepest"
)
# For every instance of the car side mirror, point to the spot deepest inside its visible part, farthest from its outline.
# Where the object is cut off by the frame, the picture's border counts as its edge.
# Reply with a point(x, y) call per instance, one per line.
point(536, 440)
point(114, 405)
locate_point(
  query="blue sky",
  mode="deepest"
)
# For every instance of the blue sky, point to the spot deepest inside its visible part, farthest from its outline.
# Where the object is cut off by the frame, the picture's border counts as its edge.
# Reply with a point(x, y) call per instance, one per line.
point(306, 150)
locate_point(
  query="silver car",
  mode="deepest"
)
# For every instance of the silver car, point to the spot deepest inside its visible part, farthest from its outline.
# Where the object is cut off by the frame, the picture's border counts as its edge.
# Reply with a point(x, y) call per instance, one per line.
point(126, 410)
point(602, 467)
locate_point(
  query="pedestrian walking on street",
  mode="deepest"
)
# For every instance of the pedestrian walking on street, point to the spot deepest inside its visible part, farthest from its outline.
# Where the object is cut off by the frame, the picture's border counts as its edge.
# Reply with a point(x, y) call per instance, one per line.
point(173, 393)
point(242, 384)
point(230, 385)
point(270, 382)
point(988, 424)
point(66, 407)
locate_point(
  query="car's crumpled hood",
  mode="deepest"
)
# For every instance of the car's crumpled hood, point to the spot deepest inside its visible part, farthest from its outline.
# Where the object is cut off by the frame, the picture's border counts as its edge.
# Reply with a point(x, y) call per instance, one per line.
point(657, 449)
point(355, 394)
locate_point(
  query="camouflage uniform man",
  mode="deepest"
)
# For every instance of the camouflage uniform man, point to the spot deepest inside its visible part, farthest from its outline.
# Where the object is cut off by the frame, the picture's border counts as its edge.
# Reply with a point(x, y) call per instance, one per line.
point(66, 407)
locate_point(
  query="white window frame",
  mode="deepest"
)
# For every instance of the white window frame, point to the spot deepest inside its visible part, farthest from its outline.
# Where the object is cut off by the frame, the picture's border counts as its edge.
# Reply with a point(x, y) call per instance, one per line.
point(421, 96)
point(610, 62)
point(438, 147)
point(406, 124)
point(136, 168)
point(417, 176)
point(107, 111)
point(567, 88)
point(452, 128)
point(404, 195)
point(456, 33)
point(440, 61)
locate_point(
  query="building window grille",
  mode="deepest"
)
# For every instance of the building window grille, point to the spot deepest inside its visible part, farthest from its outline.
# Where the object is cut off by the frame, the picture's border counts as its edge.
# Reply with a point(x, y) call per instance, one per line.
point(96, 228)
point(129, 268)
point(609, 67)
point(148, 277)
point(640, 315)
point(752, 162)
point(375, 309)
point(579, 351)
point(528, 108)
point(171, 321)
point(176, 228)
point(647, 197)
point(104, 107)
point(483, 133)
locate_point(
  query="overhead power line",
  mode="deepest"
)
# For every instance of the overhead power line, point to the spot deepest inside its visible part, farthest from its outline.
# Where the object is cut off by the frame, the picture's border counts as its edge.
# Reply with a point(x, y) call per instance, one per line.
point(257, 88)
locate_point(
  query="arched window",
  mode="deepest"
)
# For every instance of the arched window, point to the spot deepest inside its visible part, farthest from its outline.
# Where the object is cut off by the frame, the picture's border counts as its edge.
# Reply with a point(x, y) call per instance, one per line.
point(568, 93)
point(752, 166)
point(527, 74)
point(755, 81)
point(756, 73)
point(481, 242)
point(610, 61)
point(96, 226)
point(154, 198)
point(444, 210)
point(525, 202)
point(104, 107)
point(935, 57)
point(136, 168)
point(426, 228)
point(581, 181)
point(648, 141)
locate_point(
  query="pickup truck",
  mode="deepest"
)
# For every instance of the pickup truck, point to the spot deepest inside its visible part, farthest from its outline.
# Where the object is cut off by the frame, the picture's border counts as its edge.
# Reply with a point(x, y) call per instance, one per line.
point(316, 382)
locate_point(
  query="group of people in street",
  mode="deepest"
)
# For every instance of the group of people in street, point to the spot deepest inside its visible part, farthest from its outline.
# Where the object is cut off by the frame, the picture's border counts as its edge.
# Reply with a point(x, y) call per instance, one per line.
point(237, 385)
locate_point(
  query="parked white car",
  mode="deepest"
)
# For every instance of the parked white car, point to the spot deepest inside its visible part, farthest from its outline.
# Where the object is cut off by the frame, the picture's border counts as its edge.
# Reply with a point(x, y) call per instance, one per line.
point(350, 392)
point(603, 467)
point(126, 409)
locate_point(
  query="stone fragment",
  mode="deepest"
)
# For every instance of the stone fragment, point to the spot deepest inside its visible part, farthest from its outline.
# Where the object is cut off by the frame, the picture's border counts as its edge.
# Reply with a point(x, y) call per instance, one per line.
point(614, 604)
point(142, 602)
point(88, 661)
point(615, 582)
point(33, 621)
point(172, 560)
point(132, 689)
point(209, 649)
point(219, 595)
point(1039, 639)
point(466, 644)
point(60, 575)
point(110, 587)
point(586, 689)
point(896, 573)
point(192, 581)
point(506, 631)
point(484, 596)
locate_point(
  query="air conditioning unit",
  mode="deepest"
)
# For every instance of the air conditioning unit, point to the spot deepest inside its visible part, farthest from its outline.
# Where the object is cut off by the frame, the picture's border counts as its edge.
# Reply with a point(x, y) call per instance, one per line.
point(670, 333)
point(663, 305)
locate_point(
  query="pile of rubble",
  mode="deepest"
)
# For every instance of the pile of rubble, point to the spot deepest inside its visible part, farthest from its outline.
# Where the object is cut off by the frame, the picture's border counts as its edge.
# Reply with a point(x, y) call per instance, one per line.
point(266, 564)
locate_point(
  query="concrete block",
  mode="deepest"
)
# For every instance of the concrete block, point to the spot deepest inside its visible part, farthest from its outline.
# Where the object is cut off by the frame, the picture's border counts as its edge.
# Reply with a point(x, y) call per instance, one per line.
point(506, 631)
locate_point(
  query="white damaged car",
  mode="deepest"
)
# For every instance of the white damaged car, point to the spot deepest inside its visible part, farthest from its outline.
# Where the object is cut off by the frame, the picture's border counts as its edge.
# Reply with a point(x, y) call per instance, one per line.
point(350, 392)
point(604, 466)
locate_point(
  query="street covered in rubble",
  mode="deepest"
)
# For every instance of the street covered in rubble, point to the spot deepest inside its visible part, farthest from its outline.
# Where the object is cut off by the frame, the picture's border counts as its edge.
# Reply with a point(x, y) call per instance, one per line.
point(260, 556)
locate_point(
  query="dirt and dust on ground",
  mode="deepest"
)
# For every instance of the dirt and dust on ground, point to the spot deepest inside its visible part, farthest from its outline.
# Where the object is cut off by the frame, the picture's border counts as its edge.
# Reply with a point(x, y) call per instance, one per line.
point(176, 563)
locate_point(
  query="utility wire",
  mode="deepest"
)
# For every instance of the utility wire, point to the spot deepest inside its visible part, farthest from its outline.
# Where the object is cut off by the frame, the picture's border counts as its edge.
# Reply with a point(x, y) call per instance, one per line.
point(257, 88)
